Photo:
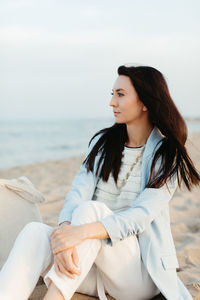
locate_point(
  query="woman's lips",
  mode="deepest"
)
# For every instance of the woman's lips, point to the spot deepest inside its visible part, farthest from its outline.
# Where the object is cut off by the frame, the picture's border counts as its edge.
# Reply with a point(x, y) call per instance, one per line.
point(116, 113)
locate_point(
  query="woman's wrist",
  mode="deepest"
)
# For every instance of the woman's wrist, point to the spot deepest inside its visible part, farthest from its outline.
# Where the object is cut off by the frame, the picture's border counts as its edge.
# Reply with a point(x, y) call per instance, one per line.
point(94, 230)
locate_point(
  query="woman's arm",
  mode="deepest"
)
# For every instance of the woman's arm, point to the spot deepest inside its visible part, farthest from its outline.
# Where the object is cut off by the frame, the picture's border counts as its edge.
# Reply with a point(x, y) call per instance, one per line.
point(146, 207)
point(82, 189)
point(94, 230)
point(67, 236)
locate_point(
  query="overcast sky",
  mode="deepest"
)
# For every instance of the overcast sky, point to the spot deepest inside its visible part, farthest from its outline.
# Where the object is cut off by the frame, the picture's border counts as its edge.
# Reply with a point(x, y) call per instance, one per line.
point(59, 58)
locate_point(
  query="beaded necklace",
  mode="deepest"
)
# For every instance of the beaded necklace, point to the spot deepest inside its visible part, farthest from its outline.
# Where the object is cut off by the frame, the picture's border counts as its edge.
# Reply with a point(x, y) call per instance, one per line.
point(131, 168)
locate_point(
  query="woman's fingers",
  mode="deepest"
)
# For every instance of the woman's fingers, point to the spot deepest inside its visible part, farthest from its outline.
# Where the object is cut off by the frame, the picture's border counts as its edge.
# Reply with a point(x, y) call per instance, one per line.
point(75, 256)
point(64, 271)
point(65, 259)
point(57, 269)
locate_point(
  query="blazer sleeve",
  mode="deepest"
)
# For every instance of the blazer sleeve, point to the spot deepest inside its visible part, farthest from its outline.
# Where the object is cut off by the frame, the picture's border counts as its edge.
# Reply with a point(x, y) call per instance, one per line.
point(146, 207)
point(82, 189)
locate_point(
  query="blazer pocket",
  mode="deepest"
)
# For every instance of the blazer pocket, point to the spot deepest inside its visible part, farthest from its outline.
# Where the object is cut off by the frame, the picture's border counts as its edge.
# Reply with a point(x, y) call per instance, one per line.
point(169, 261)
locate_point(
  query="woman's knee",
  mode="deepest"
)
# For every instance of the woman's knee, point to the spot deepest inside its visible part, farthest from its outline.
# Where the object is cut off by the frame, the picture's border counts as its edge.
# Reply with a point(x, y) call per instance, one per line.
point(37, 229)
point(90, 211)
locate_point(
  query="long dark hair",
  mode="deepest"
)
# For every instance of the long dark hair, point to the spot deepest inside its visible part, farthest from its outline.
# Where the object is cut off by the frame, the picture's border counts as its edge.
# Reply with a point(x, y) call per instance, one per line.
point(153, 91)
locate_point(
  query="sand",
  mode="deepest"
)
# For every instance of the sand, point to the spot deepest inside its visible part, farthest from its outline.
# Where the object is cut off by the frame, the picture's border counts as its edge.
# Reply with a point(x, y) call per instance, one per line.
point(54, 178)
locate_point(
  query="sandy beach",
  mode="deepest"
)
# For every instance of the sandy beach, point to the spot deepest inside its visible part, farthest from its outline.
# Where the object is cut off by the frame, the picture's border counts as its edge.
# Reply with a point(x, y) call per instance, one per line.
point(54, 178)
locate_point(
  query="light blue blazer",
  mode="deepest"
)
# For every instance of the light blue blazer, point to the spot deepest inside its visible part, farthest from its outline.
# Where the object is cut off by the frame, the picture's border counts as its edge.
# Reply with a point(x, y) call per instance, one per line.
point(148, 218)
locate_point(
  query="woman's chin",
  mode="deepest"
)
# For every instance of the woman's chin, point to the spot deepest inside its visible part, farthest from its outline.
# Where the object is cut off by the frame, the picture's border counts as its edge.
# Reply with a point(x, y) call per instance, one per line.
point(119, 121)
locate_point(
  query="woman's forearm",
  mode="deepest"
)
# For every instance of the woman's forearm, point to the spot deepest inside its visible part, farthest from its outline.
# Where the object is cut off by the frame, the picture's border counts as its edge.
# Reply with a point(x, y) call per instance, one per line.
point(94, 230)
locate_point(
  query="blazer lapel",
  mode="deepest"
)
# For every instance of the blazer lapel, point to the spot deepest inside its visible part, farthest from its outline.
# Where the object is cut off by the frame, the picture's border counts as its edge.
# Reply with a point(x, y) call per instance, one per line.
point(147, 158)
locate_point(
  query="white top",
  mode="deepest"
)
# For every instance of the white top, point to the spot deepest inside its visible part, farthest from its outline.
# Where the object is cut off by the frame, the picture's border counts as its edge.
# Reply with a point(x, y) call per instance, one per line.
point(108, 192)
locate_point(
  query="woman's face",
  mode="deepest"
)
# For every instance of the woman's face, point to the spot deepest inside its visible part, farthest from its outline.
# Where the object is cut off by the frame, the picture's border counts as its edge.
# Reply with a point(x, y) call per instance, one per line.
point(126, 103)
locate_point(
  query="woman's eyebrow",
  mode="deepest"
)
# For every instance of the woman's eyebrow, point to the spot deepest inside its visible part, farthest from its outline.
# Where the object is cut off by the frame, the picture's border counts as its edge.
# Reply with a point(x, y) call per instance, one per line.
point(118, 90)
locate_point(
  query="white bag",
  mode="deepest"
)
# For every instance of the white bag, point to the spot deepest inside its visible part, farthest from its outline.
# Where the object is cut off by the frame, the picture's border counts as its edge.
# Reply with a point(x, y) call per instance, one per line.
point(18, 206)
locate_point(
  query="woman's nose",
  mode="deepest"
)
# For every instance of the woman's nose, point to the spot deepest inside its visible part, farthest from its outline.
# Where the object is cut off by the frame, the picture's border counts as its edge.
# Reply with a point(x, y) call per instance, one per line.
point(113, 101)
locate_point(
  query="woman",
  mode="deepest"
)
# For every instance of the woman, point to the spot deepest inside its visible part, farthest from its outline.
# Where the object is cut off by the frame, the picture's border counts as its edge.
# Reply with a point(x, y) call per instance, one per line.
point(114, 231)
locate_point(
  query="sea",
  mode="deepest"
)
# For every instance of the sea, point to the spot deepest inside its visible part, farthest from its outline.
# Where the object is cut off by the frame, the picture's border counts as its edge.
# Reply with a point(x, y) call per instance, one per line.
point(28, 142)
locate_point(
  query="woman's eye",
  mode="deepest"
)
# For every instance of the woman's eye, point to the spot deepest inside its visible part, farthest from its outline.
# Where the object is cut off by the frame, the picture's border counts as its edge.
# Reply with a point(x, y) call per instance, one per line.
point(119, 94)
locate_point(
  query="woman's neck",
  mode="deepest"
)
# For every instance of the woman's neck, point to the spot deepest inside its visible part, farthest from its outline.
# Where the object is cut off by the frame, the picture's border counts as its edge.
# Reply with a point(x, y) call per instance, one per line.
point(138, 135)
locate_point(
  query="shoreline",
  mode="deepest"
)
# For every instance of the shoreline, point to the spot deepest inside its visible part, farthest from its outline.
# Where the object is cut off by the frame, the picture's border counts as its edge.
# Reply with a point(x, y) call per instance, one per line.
point(193, 136)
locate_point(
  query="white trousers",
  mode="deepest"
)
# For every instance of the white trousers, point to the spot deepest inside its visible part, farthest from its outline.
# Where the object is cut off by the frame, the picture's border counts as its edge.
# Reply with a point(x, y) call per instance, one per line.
point(117, 269)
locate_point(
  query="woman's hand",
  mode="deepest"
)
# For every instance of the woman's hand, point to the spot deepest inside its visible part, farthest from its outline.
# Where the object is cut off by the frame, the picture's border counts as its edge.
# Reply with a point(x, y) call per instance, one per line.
point(66, 262)
point(66, 236)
